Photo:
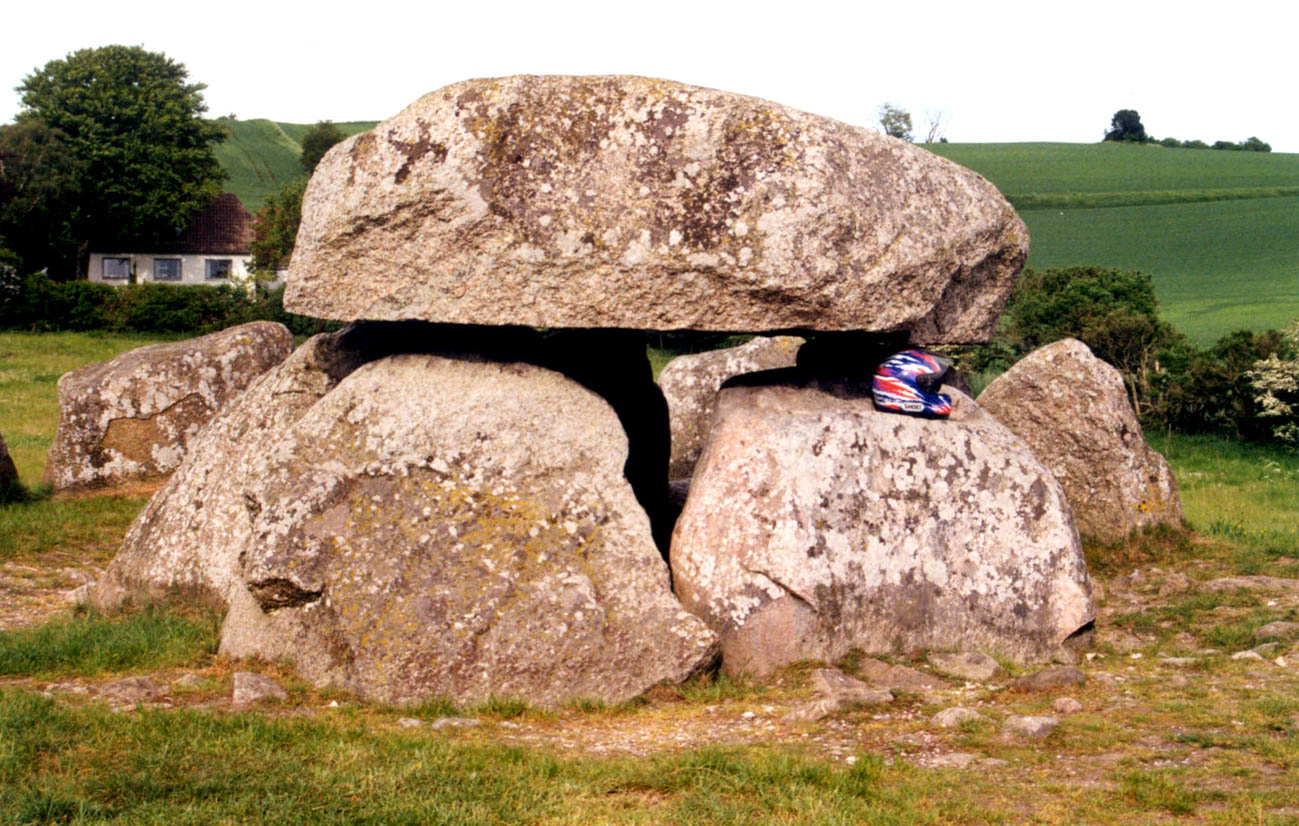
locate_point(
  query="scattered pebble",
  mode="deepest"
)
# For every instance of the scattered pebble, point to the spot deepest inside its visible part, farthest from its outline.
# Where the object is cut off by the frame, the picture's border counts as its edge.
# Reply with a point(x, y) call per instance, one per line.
point(1066, 705)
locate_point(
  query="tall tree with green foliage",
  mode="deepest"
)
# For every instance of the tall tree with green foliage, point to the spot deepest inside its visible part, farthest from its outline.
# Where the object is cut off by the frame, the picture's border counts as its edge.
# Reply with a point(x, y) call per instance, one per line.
point(317, 142)
point(134, 125)
point(40, 183)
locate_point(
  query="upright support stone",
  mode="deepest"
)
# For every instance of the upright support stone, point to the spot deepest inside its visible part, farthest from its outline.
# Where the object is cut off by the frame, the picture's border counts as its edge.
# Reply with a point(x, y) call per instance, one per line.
point(816, 525)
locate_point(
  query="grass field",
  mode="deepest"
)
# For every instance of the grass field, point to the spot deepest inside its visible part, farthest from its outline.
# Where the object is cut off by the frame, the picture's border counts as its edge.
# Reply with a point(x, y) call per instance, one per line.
point(1216, 230)
point(260, 156)
point(1205, 738)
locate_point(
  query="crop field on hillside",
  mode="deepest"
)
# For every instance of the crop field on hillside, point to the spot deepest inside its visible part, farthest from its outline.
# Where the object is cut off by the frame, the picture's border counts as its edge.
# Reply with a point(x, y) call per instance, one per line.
point(1218, 231)
point(1217, 267)
point(1074, 168)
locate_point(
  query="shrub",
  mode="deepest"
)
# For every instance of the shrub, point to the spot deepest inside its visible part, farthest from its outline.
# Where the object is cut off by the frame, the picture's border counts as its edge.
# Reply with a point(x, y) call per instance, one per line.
point(1112, 312)
point(1171, 143)
point(1195, 144)
point(1275, 380)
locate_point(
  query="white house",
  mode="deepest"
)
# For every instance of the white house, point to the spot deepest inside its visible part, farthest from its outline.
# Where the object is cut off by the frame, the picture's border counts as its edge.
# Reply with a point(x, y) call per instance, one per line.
point(214, 249)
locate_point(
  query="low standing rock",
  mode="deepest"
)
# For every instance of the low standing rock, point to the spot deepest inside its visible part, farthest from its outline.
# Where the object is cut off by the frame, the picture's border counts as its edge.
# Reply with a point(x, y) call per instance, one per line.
point(8, 473)
point(250, 688)
point(690, 384)
point(133, 417)
point(1029, 727)
point(1073, 411)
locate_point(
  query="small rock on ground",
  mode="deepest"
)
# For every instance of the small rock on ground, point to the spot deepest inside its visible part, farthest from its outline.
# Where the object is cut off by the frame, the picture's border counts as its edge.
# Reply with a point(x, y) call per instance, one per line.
point(954, 716)
point(1066, 705)
point(252, 688)
point(1050, 678)
point(897, 677)
point(952, 760)
point(966, 665)
point(1032, 727)
point(1277, 631)
point(133, 690)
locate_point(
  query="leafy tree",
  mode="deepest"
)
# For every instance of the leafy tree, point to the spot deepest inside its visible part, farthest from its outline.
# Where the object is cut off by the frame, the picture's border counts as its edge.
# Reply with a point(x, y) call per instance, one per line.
point(39, 188)
point(1126, 126)
point(275, 227)
point(317, 142)
point(895, 121)
point(133, 124)
point(1253, 144)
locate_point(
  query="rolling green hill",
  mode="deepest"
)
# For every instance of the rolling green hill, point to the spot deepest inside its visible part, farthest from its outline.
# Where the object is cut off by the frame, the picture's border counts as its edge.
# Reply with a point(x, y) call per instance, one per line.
point(260, 156)
point(1218, 231)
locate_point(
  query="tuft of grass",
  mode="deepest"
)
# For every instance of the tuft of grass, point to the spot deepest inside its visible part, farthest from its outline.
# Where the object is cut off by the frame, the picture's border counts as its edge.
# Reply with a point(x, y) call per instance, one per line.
point(1153, 789)
point(93, 643)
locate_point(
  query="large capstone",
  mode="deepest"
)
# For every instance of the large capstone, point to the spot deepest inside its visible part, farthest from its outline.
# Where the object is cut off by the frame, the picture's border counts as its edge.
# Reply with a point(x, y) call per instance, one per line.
point(458, 527)
point(690, 384)
point(816, 525)
point(647, 204)
point(133, 417)
point(189, 537)
point(1072, 409)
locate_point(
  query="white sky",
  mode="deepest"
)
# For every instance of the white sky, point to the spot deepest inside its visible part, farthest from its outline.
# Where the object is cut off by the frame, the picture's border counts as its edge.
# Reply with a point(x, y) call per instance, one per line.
point(1001, 71)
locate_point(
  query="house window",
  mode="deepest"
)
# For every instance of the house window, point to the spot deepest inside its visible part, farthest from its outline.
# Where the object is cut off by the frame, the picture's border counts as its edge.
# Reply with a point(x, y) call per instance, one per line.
point(218, 267)
point(166, 269)
point(117, 268)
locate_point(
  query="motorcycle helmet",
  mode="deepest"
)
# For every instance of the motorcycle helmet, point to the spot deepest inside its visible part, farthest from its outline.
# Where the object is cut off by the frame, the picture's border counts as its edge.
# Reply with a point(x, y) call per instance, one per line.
point(908, 382)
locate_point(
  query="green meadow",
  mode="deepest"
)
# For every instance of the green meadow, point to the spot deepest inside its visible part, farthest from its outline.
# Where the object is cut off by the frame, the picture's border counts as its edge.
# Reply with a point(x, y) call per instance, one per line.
point(1218, 231)
point(260, 156)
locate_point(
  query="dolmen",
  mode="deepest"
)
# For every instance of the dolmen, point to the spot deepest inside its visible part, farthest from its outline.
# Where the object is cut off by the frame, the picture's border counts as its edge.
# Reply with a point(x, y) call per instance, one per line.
point(463, 493)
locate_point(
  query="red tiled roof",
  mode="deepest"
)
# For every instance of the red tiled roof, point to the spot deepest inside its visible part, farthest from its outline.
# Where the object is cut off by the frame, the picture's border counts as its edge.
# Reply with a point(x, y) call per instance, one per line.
point(223, 226)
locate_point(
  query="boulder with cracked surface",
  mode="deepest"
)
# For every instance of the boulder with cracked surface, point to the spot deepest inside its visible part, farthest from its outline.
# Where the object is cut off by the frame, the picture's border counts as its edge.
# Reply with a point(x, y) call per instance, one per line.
point(133, 417)
point(636, 203)
point(816, 525)
point(1071, 408)
point(455, 527)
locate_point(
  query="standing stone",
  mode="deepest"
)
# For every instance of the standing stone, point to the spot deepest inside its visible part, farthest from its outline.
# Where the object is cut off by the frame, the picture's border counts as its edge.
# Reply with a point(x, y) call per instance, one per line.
point(458, 528)
point(190, 535)
point(1072, 410)
point(690, 384)
point(629, 202)
point(133, 417)
point(8, 473)
point(816, 525)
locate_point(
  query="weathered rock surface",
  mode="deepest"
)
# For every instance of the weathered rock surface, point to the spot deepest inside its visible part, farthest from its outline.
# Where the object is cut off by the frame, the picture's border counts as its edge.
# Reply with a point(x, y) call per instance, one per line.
point(898, 677)
point(954, 716)
point(190, 535)
point(448, 527)
point(250, 688)
point(1277, 631)
point(133, 417)
point(968, 665)
point(1032, 728)
point(816, 525)
point(1072, 410)
point(645, 204)
point(690, 384)
point(8, 473)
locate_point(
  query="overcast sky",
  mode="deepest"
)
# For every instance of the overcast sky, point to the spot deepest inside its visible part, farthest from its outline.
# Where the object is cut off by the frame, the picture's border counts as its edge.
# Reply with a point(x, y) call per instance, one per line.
point(999, 71)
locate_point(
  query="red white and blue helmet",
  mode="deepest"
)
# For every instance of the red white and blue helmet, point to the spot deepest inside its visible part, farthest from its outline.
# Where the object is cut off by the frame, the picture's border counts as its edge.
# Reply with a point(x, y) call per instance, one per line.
point(907, 382)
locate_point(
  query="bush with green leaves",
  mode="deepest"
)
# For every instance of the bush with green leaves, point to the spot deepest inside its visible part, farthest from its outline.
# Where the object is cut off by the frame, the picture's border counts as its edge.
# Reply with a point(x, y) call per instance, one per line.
point(39, 303)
